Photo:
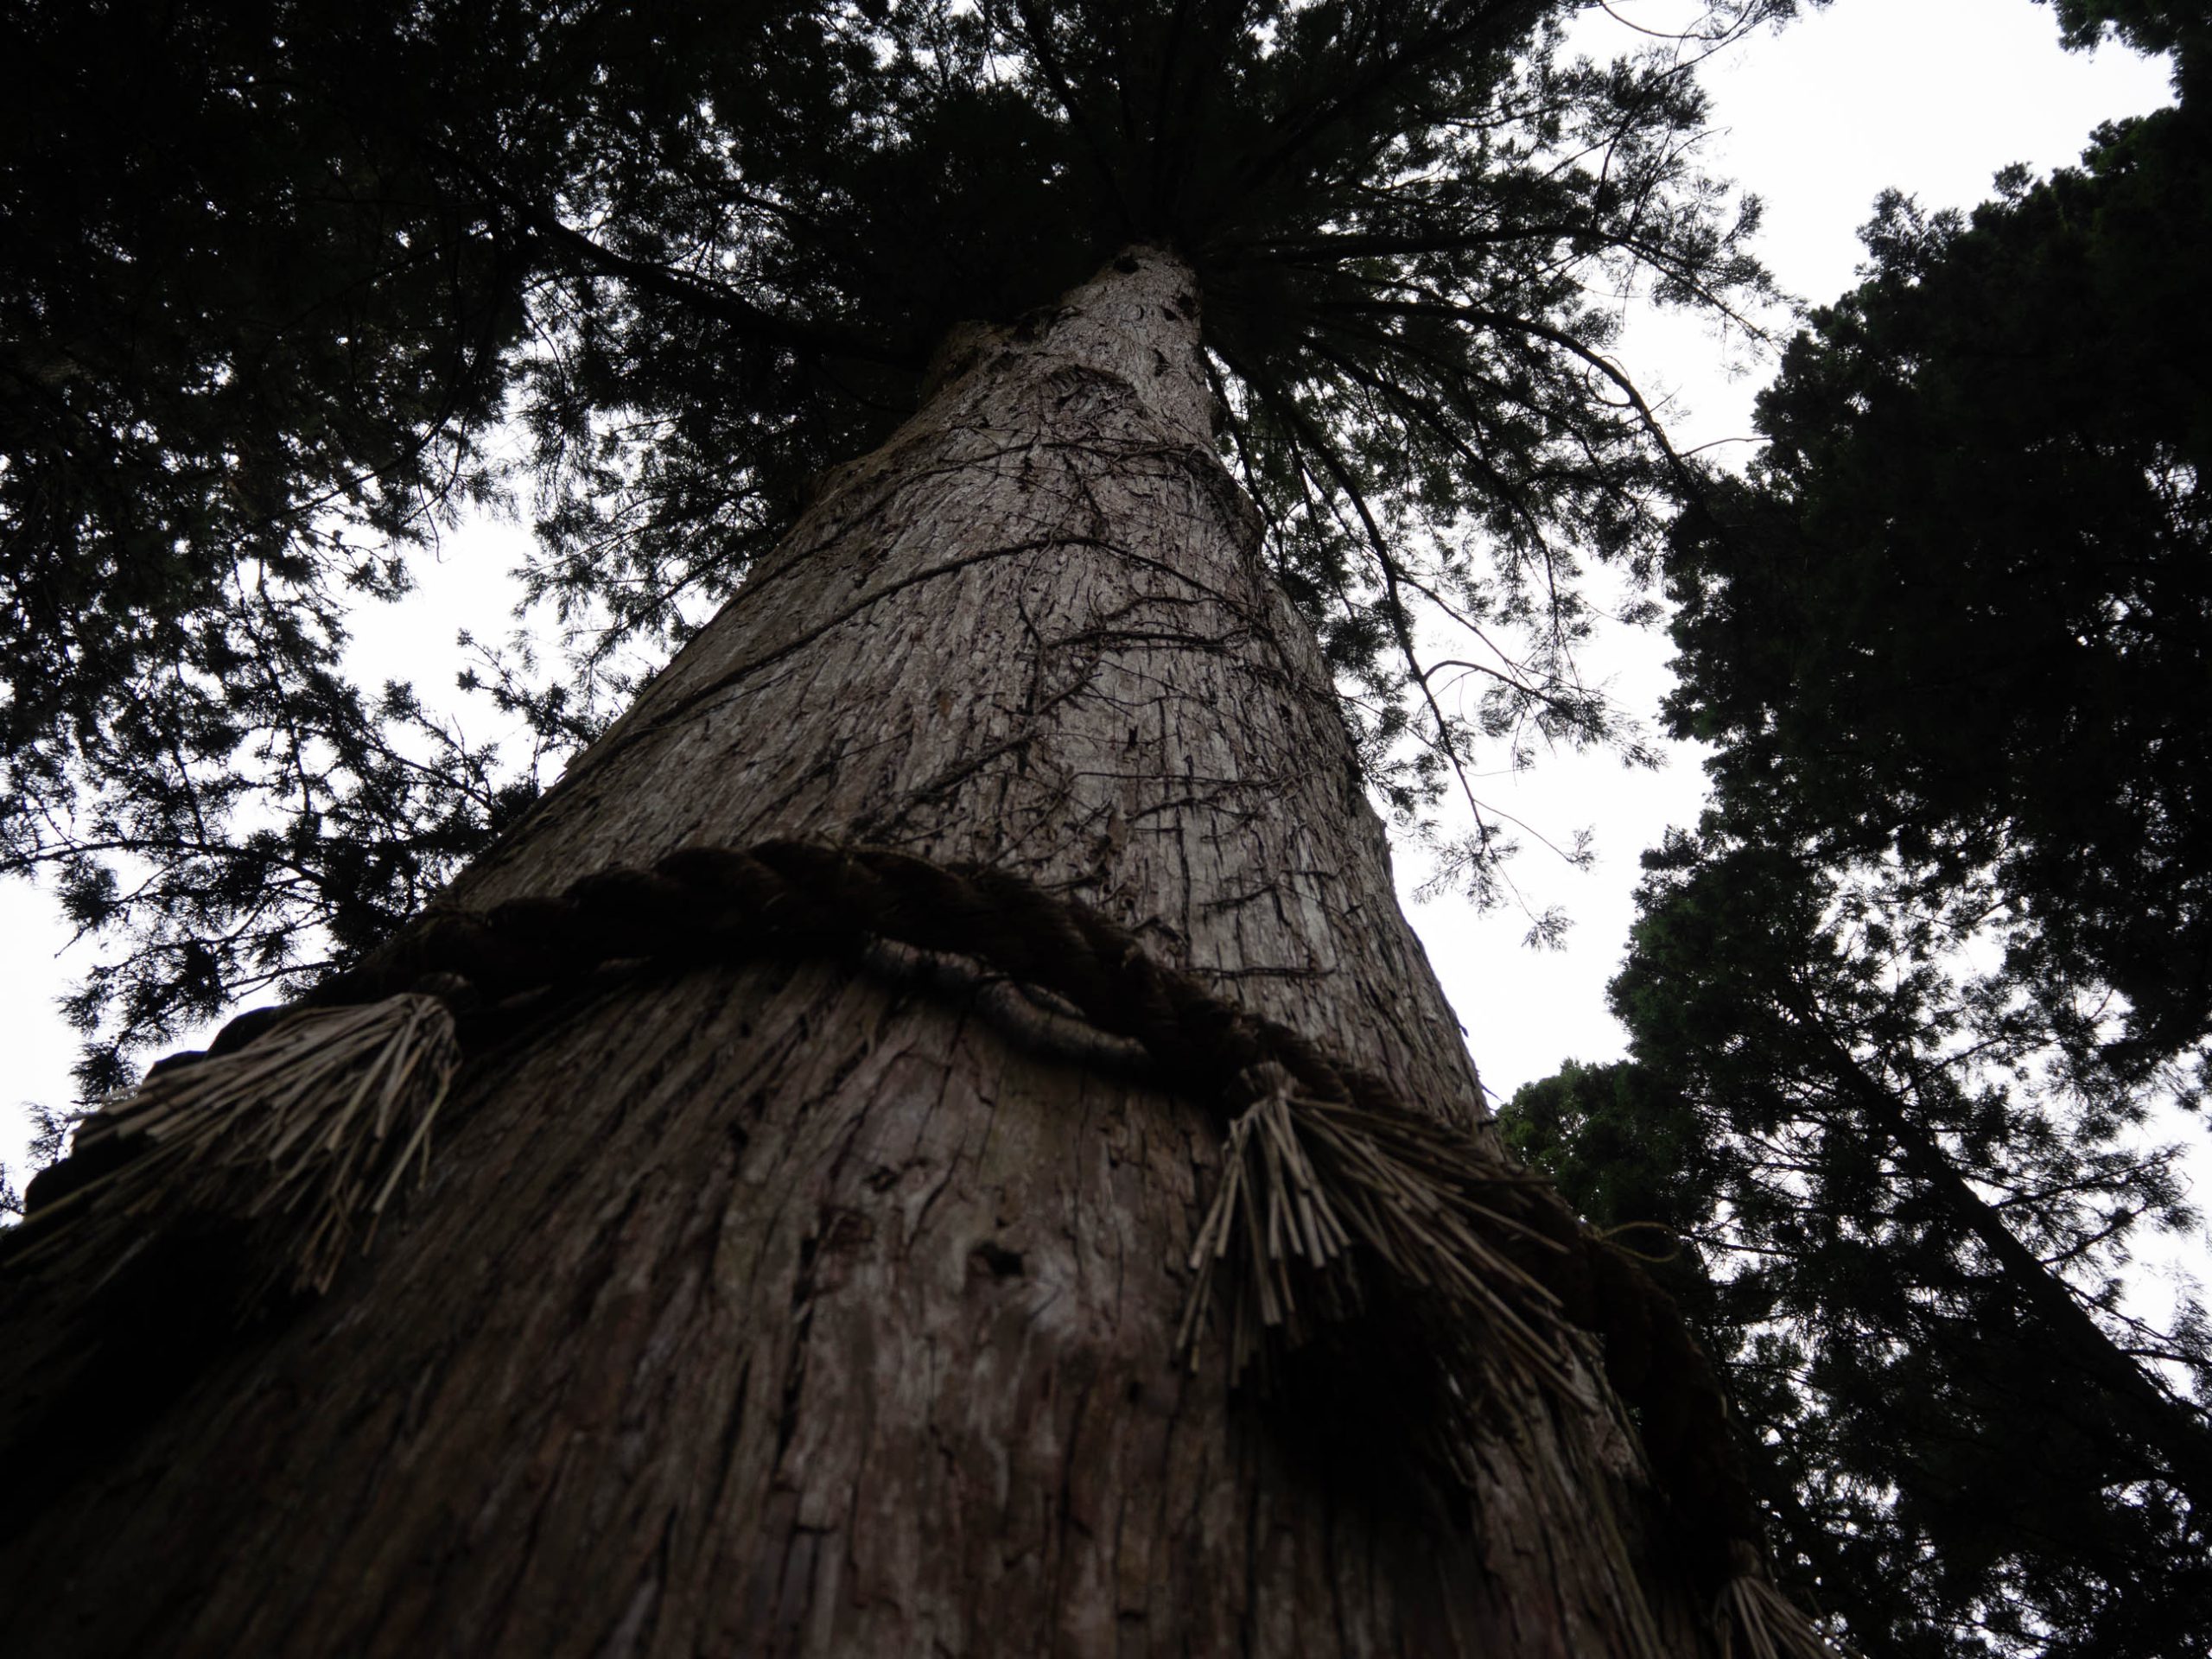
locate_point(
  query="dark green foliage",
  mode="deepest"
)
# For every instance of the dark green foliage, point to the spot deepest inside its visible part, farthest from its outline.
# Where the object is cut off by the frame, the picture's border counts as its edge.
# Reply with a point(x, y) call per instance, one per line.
point(1960, 614)
point(2177, 26)
point(1901, 1010)
point(272, 275)
point(1630, 1154)
point(1907, 1215)
point(249, 331)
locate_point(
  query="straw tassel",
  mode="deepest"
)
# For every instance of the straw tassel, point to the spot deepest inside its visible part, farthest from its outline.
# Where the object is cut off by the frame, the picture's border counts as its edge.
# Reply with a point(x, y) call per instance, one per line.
point(1469, 1269)
point(1304, 1180)
point(305, 1136)
point(1770, 1624)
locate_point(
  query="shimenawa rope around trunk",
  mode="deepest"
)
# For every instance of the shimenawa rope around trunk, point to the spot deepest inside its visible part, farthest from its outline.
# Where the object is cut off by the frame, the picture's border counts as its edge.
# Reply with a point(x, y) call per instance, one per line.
point(1336, 1198)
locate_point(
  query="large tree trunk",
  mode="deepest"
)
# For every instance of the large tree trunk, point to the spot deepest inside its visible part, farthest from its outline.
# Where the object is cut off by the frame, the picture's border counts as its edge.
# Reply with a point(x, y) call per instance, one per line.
point(790, 1307)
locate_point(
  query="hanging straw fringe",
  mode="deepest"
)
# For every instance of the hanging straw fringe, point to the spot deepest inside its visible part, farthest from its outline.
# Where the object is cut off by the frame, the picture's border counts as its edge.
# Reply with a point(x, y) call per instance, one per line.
point(1304, 1180)
point(1308, 1184)
point(1771, 1625)
point(1336, 1199)
point(306, 1132)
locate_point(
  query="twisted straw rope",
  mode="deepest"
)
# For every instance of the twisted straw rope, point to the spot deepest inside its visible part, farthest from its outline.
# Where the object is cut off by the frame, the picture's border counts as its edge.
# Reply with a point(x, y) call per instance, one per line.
point(1320, 1157)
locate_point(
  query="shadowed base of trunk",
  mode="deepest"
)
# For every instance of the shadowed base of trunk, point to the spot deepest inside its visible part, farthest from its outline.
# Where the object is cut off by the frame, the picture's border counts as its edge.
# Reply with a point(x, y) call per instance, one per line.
point(787, 1346)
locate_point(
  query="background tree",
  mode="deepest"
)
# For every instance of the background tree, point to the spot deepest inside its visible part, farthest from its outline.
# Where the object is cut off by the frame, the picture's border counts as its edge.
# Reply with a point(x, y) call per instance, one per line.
point(1955, 616)
point(1911, 1217)
point(1901, 1010)
point(253, 339)
point(2152, 26)
point(773, 1307)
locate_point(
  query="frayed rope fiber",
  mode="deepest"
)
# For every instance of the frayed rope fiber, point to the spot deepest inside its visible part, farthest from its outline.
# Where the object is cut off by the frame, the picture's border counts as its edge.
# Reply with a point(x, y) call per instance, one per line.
point(1756, 1621)
point(1333, 1191)
point(1308, 1184)
point(306, 1135)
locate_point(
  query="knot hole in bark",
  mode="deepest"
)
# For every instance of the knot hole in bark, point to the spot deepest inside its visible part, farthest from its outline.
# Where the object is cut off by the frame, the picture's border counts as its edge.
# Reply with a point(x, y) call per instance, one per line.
point(993, 1258)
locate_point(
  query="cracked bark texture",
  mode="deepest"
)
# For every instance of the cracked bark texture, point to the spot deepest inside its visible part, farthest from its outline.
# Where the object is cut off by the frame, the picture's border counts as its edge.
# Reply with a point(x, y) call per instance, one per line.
point(787, 1309)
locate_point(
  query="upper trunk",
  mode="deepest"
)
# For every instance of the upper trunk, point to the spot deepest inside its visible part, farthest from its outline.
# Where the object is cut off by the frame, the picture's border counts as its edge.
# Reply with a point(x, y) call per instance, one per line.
point(790, 1307)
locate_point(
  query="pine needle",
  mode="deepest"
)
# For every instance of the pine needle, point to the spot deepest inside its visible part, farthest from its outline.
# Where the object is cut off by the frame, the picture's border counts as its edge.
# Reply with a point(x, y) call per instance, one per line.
point(305, 1134)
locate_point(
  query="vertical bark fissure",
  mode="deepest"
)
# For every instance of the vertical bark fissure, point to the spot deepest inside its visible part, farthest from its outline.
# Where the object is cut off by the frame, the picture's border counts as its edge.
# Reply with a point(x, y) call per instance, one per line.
point(876, 1354)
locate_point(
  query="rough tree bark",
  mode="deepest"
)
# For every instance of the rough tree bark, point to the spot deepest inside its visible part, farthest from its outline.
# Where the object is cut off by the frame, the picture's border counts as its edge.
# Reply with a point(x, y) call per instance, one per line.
point(788, 1308)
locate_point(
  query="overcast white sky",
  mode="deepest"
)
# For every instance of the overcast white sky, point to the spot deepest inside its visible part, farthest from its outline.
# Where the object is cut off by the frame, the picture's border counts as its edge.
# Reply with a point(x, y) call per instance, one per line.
point(1930, 96)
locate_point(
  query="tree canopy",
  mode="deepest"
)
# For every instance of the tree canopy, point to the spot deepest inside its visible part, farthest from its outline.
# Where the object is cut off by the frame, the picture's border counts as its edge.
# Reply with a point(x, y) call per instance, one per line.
point(2153, 25)
point(281, 279)
point(1908, 1219)
point(1906, 1010)
point(1958, 614)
